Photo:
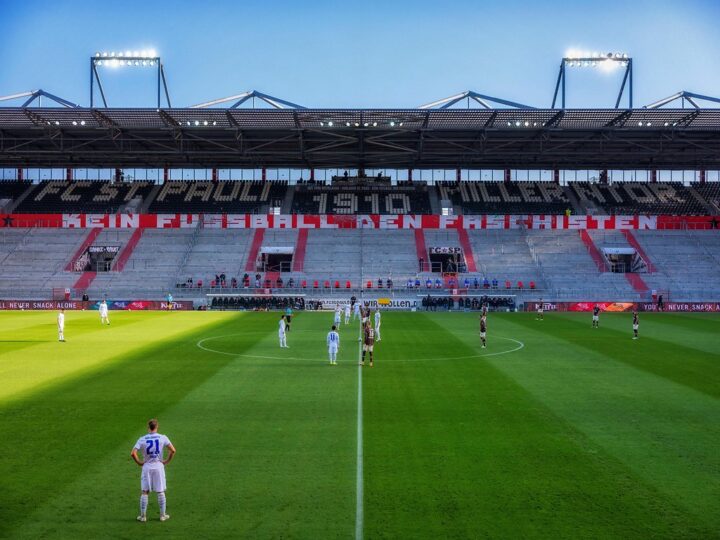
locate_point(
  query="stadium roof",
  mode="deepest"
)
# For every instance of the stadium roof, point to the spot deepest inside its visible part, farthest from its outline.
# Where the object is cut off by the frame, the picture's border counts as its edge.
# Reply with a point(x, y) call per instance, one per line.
point(372, 138)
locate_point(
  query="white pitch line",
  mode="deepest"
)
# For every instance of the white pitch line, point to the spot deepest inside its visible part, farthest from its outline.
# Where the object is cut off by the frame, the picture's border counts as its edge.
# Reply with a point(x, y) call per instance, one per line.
point(359, 489)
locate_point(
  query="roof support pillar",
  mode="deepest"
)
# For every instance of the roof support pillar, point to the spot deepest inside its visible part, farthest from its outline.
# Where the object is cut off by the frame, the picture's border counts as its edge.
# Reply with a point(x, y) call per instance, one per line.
point(215, 176)
point(68, 174)
point(166, 174)
point(457, 175)
point(118, 175)
point(506, 176)
point(556, 176)
point(702, 176)
point(264, 174)
point(20, 174)
point(604, 176)
point(653, 176)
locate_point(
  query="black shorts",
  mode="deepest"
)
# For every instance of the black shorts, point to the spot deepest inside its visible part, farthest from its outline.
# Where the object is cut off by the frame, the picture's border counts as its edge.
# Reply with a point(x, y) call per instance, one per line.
point(287, 318)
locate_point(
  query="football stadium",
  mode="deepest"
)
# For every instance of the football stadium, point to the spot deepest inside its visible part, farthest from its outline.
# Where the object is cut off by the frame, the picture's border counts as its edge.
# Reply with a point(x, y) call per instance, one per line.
point(337, 313)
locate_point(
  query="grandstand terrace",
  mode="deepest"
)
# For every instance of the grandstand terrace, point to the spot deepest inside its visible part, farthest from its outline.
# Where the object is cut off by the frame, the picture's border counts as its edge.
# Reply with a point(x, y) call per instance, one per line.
point(339, 165)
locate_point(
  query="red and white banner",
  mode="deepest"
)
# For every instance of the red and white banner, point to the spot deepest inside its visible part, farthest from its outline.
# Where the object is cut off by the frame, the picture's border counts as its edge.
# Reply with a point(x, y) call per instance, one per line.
point(712, 307)
point(129, 305)
point(374, 221)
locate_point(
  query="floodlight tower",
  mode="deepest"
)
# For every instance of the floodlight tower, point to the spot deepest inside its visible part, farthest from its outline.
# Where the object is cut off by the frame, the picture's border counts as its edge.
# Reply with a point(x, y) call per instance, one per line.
point(127, 59)
point(603, 61)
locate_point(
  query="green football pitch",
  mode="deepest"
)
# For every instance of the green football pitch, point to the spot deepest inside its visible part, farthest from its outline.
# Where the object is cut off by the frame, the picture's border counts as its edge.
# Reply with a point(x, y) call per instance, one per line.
point(555, 430)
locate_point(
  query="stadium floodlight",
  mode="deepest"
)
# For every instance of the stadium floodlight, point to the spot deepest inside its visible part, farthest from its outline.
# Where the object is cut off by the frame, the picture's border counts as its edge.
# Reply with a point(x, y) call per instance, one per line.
point(145, 58)
point(606, 62)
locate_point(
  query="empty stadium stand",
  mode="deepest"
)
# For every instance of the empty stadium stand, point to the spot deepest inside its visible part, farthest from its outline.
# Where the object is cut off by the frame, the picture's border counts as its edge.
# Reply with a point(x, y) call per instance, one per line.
point(710, 192)
point(82, 196)
point(11, 190)
point(361, 198)
point(638, 198)
point(505, 197)
point(239, 197)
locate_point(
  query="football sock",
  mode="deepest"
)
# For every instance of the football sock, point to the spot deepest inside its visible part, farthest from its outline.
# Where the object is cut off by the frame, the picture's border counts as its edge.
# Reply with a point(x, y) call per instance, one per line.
point(161, 502)
point(143, 504)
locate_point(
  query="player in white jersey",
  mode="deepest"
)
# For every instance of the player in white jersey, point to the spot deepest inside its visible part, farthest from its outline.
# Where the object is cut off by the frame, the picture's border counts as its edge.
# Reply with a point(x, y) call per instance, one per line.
point(333, 344)
point(347, 313)
point(356, 312)
point(338, 315)
point(61, 325)
point(377, 324)
point(104, 318)
point(152, 478)
point(281, 333)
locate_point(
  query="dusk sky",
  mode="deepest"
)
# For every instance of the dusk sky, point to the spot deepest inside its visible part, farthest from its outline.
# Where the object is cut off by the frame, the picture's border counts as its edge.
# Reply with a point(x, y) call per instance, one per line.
point(360, 54)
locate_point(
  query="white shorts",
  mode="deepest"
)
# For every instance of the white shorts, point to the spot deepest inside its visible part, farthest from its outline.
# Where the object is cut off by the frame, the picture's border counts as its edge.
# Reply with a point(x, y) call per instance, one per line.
point(540, 311)
point(368, 348)
point(332, 350)
point(482, 335)
point(364, 320)
point(635, 326)
point(153, 478)
point(281, 335)
point(596, 318)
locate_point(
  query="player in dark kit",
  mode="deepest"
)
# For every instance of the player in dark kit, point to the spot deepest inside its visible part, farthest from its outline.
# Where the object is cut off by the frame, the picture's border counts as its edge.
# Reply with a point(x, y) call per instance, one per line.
point(660, 303)
point(483, 330)
point(368, 343)
point(636, 324)
point(352, 302)
point(596, 317)
point(483, 312)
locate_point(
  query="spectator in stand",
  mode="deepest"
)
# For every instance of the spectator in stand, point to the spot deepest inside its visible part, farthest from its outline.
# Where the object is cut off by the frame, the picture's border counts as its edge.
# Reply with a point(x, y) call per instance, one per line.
point(233, 283)
point(486, 283)
point(428, 283)
point(467, 283)
point(291, 283)
point(380, 283)
point(409, 283)
point(257, 281)
point(279, 282)
point(438, 283)
point(389, 283)
point(452, 283)
point(494, 283)
point(417, 282)
point(476, 283)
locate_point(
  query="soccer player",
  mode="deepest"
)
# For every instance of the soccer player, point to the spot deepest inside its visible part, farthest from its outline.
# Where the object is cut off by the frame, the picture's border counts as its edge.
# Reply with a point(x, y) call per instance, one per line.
point(483, 311)
point(365, 314)
point(104, 318)
point(596, 316)
point(338, 315)
point(169, 299)
point(356, 311)
point(152, 477)
point(347, 313)
point(483, 330)
point(540, 311)
point(61, 325)
point(288, 317)
point(333, 344)
point(368, 343)
point(636, 324)
point(377, 324)
point(281, 333)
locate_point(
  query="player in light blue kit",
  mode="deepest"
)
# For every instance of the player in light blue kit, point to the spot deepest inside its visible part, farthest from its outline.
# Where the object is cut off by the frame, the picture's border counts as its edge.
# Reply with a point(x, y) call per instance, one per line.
point(152, 478)
point(333, 344)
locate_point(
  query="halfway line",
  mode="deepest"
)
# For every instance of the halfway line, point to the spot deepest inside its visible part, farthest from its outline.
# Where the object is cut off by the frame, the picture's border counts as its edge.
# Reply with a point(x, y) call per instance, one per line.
point(359, 511)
